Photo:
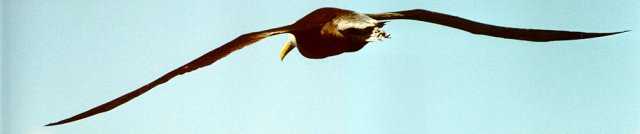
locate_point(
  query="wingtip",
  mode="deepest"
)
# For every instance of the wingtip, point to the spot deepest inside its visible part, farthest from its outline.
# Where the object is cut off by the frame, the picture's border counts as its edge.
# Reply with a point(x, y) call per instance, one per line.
point(68, 120)
point(596, 35)
point(57, 123)
point(51, 124)
point(618, 32)
point(624, 31)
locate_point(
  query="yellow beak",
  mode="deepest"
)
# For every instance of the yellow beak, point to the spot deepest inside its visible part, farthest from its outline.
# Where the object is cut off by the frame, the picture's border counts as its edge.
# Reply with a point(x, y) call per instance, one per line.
point(291, 43)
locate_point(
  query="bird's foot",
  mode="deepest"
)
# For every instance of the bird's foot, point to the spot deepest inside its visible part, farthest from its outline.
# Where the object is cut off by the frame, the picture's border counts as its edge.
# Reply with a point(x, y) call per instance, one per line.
point(378, 35)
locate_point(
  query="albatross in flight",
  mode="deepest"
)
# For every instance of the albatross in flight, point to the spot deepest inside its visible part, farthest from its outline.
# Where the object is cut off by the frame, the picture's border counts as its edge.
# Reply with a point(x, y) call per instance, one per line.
point(331, 31)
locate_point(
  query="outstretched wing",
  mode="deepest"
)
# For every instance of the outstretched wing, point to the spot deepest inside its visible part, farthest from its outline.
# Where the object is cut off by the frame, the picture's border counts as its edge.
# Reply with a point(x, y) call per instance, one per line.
point(202, 61)
point(487, 29)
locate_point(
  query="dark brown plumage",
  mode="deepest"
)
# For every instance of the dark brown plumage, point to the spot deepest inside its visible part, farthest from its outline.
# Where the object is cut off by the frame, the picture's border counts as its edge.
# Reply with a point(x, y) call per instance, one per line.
point(330, 31)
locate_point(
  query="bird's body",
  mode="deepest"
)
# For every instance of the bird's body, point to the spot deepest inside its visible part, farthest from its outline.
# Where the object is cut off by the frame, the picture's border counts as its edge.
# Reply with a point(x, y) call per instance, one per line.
point(331, 31)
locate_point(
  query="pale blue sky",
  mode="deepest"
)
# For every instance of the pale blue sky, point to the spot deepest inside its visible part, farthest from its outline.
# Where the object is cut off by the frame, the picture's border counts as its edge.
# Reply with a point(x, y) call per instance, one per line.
point(65, 57)
point(2, 53)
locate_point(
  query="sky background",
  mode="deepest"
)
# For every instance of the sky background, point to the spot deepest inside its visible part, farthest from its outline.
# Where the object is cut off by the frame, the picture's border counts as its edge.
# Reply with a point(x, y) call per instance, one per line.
point(64, 57)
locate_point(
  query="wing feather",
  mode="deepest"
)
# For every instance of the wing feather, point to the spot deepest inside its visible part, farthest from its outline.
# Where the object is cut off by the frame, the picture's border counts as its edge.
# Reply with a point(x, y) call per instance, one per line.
point(487, 29)
point(202, 61)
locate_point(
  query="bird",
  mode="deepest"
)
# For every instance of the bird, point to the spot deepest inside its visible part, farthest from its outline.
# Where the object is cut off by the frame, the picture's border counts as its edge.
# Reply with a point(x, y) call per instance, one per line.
point(329, 31)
